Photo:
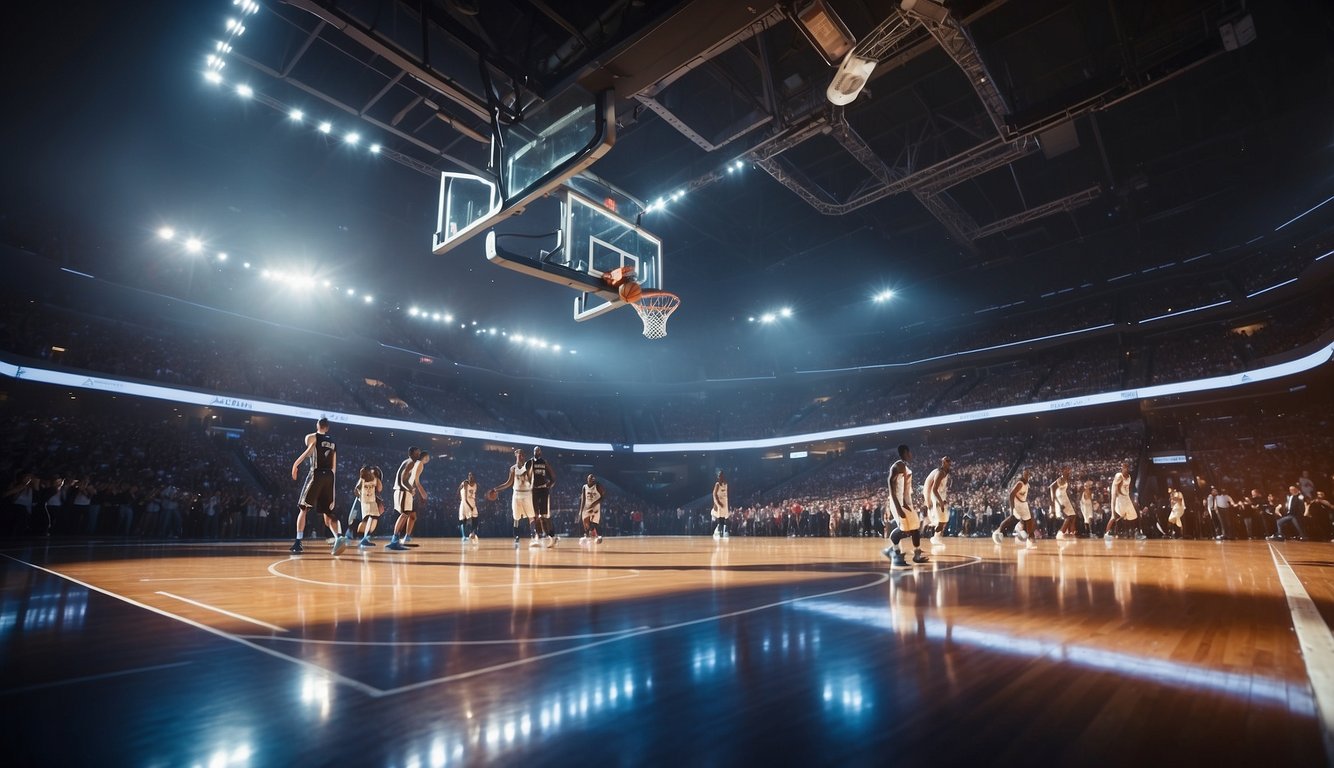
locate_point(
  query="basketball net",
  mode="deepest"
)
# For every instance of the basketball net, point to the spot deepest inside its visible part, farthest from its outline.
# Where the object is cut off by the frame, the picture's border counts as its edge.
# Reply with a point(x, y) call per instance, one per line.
point(654, 308)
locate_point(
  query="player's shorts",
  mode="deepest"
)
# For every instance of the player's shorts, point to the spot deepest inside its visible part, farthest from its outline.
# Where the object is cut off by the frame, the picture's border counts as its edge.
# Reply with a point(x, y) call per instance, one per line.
point(593, 515)
point(1086, 509)
point(541, 502)
point(1020, 511)
point(937, 514)
point(522, 504)
point(909, 522)
point(1067, 509)
point(318, 491)
point(403, 501)
point(719, 512)
point(466, 512)
point(1126, 510)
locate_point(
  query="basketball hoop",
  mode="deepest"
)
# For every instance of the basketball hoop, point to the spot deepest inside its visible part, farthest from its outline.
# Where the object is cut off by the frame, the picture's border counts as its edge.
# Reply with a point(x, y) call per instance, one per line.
point(654, 307)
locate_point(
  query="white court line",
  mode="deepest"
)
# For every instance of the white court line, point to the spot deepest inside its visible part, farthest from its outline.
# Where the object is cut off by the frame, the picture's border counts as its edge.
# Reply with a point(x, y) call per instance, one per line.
point(273, 569)
point(1317, 643)
point(216, 609)
point(369, 690)
point(880, 579)
point(415, 644)
point(91, 678)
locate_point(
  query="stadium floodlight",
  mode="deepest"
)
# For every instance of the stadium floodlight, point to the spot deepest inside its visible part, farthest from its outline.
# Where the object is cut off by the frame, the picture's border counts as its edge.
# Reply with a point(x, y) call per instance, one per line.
point(244, 91)
point(232, 24)
point(326, 127)
point(166, 233)
point(449, 318)
point(883, 296)
point(368, 299)
point(413, 311)
point(222, 255)
point(328, 284)
point(246, 265)
point(223, 47)
point(492, 331)
point(352, 138)
point(555, 347)
point(351, 292)
point(296, 115)
point(213, 77)
point(785, 312)
point(194, 245)
point(435, 316)
point(375, 149)
point(767, 317)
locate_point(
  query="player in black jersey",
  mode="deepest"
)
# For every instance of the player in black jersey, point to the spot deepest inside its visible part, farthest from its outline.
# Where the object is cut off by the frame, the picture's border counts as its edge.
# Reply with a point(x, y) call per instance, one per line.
point(318, 492)
point(544, 479)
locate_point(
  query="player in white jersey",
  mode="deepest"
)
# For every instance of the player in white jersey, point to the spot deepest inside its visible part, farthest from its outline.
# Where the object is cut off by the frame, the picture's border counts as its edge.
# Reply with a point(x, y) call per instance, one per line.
point(936, 492)
point(1177, 499)
point(468, 509)
point(1019, 514)
point(1086, 505)
point(1061, 503)
point(591, 496)
point(521, 480)
point(407, 486)
point(720, 512)
point(900, 506)
point(1122, 507)
point(369, 507)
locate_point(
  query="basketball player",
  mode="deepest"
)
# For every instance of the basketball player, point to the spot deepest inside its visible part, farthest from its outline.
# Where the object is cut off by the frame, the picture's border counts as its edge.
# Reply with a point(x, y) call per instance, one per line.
point(900, 504)
point(318, 492)
point(1178, 501)
point(1019, 514)
point(521, 479)
point(1122, 507)
point(720, 513)
point(1086, 506)
point(590, 509)
point(405, 494)
point(468, 509)
point(544, 479)
point(1060, 501)
point(935, 490)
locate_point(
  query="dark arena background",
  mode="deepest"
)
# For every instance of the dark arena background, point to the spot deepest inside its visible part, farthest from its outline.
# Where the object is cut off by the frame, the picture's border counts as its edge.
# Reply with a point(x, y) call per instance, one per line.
point(935, 382)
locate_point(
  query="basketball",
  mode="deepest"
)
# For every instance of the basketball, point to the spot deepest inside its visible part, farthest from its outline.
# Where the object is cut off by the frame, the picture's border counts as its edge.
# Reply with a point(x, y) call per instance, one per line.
point(630, 291)
point(491, 495)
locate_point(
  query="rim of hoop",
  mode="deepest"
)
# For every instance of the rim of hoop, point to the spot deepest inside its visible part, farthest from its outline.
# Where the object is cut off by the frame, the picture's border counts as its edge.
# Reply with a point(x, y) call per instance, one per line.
point(654, 307)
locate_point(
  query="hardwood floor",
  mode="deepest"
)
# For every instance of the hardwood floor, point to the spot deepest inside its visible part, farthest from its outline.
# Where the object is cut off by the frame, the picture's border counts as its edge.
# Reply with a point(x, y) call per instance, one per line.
point(659, 650)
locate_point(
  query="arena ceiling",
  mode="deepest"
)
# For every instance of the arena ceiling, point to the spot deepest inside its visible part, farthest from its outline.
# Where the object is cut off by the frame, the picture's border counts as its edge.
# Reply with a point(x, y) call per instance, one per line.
point(1106, 136)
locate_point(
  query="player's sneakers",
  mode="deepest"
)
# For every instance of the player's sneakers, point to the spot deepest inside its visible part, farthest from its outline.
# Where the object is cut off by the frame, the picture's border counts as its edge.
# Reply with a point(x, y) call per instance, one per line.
point(516, 542)
point(1107, 536)
point(583, 541)
point(727, 534)
point(340, 544)
point(396, 545)
point(407, 539)
point(1060, 535)
point(1030, 545)
point(296, 547)
point(598, 540)
point(717, 534)
point(919, 558)
point(997, 536)
point(330, 541)
point(365, 542)
point(895, 557)
point(551, 542)
point(1021, 534)
point(534, 543)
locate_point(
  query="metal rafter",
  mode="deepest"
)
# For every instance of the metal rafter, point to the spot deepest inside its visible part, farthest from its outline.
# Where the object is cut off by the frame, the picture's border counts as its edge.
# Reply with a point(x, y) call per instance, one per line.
point(959, 45)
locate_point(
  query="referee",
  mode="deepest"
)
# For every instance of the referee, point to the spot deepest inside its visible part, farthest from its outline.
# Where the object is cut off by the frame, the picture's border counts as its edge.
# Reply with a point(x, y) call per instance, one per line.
point(544, 479)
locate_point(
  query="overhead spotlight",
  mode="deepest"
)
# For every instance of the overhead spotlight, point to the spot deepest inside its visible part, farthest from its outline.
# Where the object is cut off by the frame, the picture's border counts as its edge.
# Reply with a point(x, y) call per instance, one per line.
point(232, 24)
point(327, 284)
point(517, 338)
point(223, 47)
point(435, 316)
point(265, 274)
point(296, 115)
point(492, 331)
point(739, 165)
point(767, 317)
point(222, 256)
point(785, 312)
point(750, 319)
point(212, 60)
point(351, 292)
point(368, 299)
point(246, 265)
point(244, 91)
point(352, 138)
point(166, 233)
point(555, 347)
point(326, 127)
point(240, 30)
point(213, 77)
point(193, 245)
point(413, 311)
point(449, 318)
point(825, 30)
point(375, 149)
